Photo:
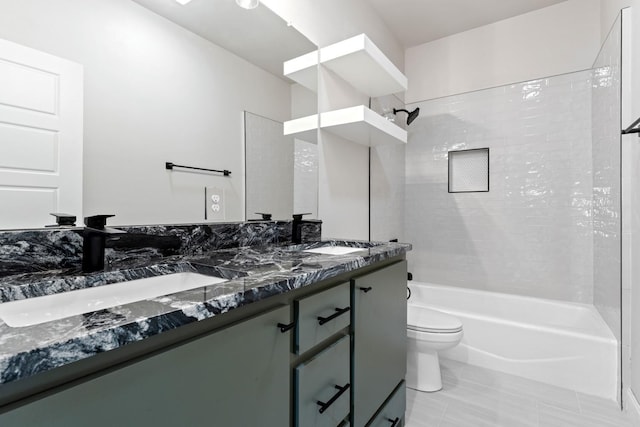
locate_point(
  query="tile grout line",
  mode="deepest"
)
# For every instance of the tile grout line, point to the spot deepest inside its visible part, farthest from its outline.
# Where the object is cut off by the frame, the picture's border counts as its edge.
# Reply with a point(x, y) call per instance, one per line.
point(446, 408)
point(579, 403)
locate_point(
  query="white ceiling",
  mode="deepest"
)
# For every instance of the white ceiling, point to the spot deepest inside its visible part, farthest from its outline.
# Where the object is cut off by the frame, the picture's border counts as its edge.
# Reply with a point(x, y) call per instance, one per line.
point(257, 35)
point(264, 39)
point(419, 21)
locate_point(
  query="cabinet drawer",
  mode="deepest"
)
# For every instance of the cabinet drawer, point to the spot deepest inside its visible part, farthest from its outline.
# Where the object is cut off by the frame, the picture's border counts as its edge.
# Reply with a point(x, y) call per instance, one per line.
point(323, 384)
point(322, 315)
point(392, 413)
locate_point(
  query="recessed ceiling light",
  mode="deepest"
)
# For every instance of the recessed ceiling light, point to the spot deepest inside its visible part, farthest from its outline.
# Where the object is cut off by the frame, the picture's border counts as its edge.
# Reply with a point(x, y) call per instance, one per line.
point(183, 2)
point(248, 4)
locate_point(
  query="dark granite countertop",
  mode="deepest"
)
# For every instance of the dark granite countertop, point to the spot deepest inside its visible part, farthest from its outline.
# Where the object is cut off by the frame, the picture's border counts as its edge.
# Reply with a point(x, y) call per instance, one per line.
point(254, 273)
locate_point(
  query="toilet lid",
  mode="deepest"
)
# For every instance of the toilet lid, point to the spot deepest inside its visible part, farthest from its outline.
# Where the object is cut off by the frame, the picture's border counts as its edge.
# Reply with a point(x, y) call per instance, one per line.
point(428, 320)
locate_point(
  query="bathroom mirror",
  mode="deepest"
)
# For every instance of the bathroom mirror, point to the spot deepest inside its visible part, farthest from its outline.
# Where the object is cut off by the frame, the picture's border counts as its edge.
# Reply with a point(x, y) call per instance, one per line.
point(281, 171)
point(163, 83)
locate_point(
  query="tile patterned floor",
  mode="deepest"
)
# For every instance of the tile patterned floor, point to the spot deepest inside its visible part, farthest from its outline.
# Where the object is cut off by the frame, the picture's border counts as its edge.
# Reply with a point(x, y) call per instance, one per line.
point(478, 397)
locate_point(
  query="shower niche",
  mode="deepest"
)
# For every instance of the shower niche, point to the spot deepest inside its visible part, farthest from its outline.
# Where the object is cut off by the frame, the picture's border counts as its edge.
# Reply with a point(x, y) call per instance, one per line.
point(469, 171)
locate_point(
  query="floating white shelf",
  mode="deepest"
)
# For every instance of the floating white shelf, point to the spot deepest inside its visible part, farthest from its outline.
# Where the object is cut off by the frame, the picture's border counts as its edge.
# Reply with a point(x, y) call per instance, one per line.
point(303, 70)
point(363, 126)
point(363, 65)
point(356, 60)
point(305, 128)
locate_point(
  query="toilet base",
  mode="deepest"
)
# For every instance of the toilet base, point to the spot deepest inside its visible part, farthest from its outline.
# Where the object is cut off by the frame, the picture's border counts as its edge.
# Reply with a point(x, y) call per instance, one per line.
point(423, 369)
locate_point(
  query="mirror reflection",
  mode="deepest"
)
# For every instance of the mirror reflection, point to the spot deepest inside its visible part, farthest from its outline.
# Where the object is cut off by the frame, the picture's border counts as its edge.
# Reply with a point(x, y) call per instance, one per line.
point(281, 171)
point(105, 92)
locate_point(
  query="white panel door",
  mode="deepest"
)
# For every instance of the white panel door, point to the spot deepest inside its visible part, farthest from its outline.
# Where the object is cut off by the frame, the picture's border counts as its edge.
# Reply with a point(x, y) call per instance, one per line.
point(40, 136)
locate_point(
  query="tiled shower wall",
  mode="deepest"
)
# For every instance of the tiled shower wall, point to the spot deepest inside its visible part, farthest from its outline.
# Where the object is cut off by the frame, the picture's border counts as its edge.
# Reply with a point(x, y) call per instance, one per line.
point(605, 113)
point(532, 233)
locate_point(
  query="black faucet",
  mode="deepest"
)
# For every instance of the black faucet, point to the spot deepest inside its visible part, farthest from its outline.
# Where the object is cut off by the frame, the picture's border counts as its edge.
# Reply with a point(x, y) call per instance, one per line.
point(296, 226)
point(94, 240)
point(63, 220)
point(265, 217)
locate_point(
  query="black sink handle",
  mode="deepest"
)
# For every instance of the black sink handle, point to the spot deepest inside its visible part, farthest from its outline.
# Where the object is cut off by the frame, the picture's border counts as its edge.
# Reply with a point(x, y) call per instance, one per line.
point(365, 290)
point(324, 406)
point(339, 311)
point(394, 422)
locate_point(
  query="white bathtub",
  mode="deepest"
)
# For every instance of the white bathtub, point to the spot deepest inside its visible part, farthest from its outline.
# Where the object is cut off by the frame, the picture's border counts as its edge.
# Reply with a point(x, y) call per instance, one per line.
point(560, 343)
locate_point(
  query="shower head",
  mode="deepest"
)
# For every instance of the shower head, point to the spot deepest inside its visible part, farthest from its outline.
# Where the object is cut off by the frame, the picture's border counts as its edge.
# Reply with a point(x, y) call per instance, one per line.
point(412, 115)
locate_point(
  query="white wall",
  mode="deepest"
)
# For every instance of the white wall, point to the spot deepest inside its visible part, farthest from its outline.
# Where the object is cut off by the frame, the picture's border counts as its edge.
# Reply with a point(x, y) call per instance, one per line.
point(343, 166)
point(554, 40)
point(154, 92)
point(609, 11)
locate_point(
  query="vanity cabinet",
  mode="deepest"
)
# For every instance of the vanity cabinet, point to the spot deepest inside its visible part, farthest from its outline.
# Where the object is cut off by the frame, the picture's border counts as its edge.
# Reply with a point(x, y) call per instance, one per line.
point(379, 339)
point(330, 354)
point(238, 376)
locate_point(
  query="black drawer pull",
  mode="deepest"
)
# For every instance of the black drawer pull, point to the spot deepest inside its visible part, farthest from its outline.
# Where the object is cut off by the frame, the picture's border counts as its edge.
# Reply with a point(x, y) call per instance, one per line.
point(395, 422)
point(284, 328)
point(325, 406)
point(339, 311)
point(365, 290)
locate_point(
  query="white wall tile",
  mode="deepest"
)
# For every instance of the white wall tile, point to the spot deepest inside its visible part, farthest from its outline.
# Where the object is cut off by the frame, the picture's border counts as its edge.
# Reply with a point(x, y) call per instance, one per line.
point(531, 234)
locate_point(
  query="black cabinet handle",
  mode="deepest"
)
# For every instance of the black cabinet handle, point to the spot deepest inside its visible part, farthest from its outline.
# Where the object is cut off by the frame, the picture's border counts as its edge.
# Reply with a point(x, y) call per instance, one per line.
point(365, 290)
point(339, 311)
point(325, 406)
point(284, 328)
point(395, 422)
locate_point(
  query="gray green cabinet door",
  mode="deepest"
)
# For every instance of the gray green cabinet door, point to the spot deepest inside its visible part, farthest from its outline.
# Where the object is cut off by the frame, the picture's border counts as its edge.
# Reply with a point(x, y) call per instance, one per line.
point(238, 376)
point(379, 336)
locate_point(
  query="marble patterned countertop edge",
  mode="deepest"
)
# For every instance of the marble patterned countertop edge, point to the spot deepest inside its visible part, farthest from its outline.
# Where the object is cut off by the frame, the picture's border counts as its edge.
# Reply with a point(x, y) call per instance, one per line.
point(254, 274)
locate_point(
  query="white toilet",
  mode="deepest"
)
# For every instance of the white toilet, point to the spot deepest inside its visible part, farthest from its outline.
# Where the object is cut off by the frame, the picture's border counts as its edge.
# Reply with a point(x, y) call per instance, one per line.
point(428, 331)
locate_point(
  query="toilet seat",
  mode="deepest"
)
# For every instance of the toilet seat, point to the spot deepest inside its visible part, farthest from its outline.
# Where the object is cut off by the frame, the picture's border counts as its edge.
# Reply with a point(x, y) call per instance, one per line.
point(422, 319)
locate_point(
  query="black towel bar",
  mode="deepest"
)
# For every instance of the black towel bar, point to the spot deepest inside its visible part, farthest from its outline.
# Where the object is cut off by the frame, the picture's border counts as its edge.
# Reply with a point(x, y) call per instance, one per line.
point(170, 166)
point(634, 128)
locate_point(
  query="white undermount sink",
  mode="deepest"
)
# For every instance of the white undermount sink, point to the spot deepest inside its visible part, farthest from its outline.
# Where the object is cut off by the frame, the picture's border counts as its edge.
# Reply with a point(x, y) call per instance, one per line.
point(334, 250)
point(33, 311)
